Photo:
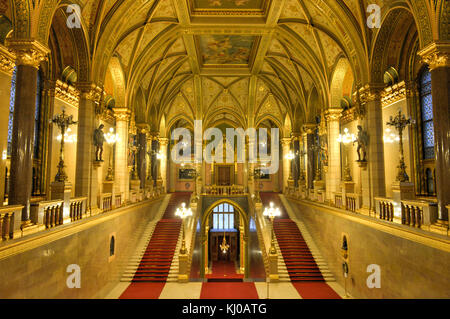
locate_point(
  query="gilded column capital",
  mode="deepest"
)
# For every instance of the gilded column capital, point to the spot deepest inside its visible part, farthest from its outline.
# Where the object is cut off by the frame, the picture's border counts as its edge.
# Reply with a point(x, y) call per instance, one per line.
point(309, 128)
point(371, 92)
point(163, 141)
point(436, 55)
point(28, 52)
point(122, 113)
point(286, 141)
point(90, 91)
point(143, 128)
point(333, 114)
point(6, 60)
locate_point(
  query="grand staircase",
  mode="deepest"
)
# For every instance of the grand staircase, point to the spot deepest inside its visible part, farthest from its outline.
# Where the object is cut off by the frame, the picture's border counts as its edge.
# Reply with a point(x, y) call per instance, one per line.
point(294, 244)
point(155, 261)
point(299, 261)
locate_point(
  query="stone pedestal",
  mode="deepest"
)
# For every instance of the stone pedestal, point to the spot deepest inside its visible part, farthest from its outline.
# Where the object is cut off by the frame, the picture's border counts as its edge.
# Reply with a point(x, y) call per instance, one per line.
point(135, 185)
point(348, 188)
point(183, 268)
point(402, 191)
point(273, 268)
point(108, 187)
point(62, 191)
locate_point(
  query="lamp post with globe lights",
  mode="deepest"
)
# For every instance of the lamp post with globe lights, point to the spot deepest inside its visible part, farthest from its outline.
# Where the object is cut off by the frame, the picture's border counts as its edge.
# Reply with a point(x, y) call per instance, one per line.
point(183, 213)
point(272, 212)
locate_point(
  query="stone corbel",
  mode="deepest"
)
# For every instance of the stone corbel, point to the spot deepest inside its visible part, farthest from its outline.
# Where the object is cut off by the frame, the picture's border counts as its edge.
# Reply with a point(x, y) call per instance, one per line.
point(309, 128)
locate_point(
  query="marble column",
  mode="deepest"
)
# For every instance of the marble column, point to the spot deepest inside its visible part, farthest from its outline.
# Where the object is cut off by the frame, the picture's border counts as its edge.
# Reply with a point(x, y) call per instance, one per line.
point(287, 167)
point(149, 160)
point(333, 178)
point(163, 143)
point(86, 184)
point(371, 102)
point(142, 153)
point(308, 130)
point(122, 176)
point(29, 54)
point(437, 56)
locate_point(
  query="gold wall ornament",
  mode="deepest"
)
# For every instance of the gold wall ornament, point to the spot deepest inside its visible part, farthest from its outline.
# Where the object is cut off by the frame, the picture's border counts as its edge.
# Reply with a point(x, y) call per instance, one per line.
point(67, 93)
point(393, 94)
point(28, 52)
point(7, 61)
point(436, 55)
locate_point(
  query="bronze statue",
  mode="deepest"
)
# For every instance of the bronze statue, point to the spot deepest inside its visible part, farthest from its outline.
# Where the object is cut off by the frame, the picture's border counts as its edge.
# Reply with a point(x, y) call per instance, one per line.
point(363, 140)
point(99, 139)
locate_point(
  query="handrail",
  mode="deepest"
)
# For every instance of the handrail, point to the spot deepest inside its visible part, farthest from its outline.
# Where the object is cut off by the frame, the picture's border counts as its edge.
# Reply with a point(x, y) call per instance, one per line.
point(10, 221)
point(78, 208)
point(47, 214)
point(416, 213)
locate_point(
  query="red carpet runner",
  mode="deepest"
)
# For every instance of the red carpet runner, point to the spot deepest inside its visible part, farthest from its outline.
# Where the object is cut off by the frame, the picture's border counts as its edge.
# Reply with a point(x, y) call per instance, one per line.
point(224, 271)
point(155, 264)
point(304, 273)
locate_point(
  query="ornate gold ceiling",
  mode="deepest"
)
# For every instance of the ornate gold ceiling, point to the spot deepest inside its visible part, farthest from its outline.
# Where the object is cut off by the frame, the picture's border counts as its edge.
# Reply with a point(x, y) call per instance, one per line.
point(240, 61)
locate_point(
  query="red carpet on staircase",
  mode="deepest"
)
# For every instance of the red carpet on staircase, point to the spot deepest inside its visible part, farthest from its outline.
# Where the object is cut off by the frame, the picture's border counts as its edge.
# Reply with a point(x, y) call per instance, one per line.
point(157, 259)
point(303, 271)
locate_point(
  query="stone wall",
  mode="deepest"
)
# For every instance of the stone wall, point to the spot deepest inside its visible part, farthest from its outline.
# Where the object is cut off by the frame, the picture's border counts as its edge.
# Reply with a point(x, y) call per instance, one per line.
point(417, 267)
point(40, 271)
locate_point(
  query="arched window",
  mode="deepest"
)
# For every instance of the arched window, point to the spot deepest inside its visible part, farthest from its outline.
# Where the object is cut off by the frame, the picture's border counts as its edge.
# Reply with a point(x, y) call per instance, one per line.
point(426, 101)
point(223, 216)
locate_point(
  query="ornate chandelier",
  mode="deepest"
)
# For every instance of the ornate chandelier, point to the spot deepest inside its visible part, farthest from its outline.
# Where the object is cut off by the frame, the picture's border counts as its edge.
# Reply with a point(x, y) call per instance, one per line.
point(224, 246)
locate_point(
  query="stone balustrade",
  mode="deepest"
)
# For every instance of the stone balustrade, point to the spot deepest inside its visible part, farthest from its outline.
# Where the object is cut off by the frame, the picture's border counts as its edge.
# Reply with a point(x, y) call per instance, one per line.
point(352, 202)
point(338, 200)
point(385, 208)
point(224, 190)
point(105, 202)
point(118, 200)
point(47, 214)
point(416, 213)
point(10, 221)
point(78, 208)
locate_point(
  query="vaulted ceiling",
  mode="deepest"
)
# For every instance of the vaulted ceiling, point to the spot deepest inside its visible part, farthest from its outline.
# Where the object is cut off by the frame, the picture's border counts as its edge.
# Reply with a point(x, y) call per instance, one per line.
point(239, 61)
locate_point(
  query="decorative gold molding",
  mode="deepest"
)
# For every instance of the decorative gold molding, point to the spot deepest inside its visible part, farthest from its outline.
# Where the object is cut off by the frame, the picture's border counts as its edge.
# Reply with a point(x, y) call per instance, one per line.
point(143, 128)
point(163, 141)
point(348, 115)
point(393, 94)
point(6, 60)
point(28, 52)
point(436, 55)
point(67, 93)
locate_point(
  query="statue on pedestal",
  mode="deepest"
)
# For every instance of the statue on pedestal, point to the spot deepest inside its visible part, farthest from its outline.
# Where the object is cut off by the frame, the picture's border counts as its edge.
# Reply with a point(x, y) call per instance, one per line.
point(99, 139)
point(362, 139)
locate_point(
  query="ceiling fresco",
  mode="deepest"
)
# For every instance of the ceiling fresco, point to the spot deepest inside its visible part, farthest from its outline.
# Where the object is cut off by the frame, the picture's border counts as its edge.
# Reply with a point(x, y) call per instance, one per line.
point(202, 7)
point(226, 49)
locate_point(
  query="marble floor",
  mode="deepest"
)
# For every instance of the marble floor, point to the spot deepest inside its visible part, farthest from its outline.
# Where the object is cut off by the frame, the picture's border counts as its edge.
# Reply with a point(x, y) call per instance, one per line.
point(193, 290)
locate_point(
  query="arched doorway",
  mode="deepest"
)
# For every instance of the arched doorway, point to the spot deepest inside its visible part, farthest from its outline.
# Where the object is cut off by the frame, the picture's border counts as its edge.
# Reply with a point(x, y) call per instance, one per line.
point(225, 218)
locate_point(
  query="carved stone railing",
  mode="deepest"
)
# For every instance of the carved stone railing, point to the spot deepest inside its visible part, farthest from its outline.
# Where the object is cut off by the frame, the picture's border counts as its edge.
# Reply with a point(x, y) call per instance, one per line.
point(338, 200)
point(47, 214)
point(385, 208)
point(10, 221)
point(118, 200)
point(416, 213)
point(224, 190)
point(352, 202)
point(105, 202)
point(320, 195)
point(78, 208)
